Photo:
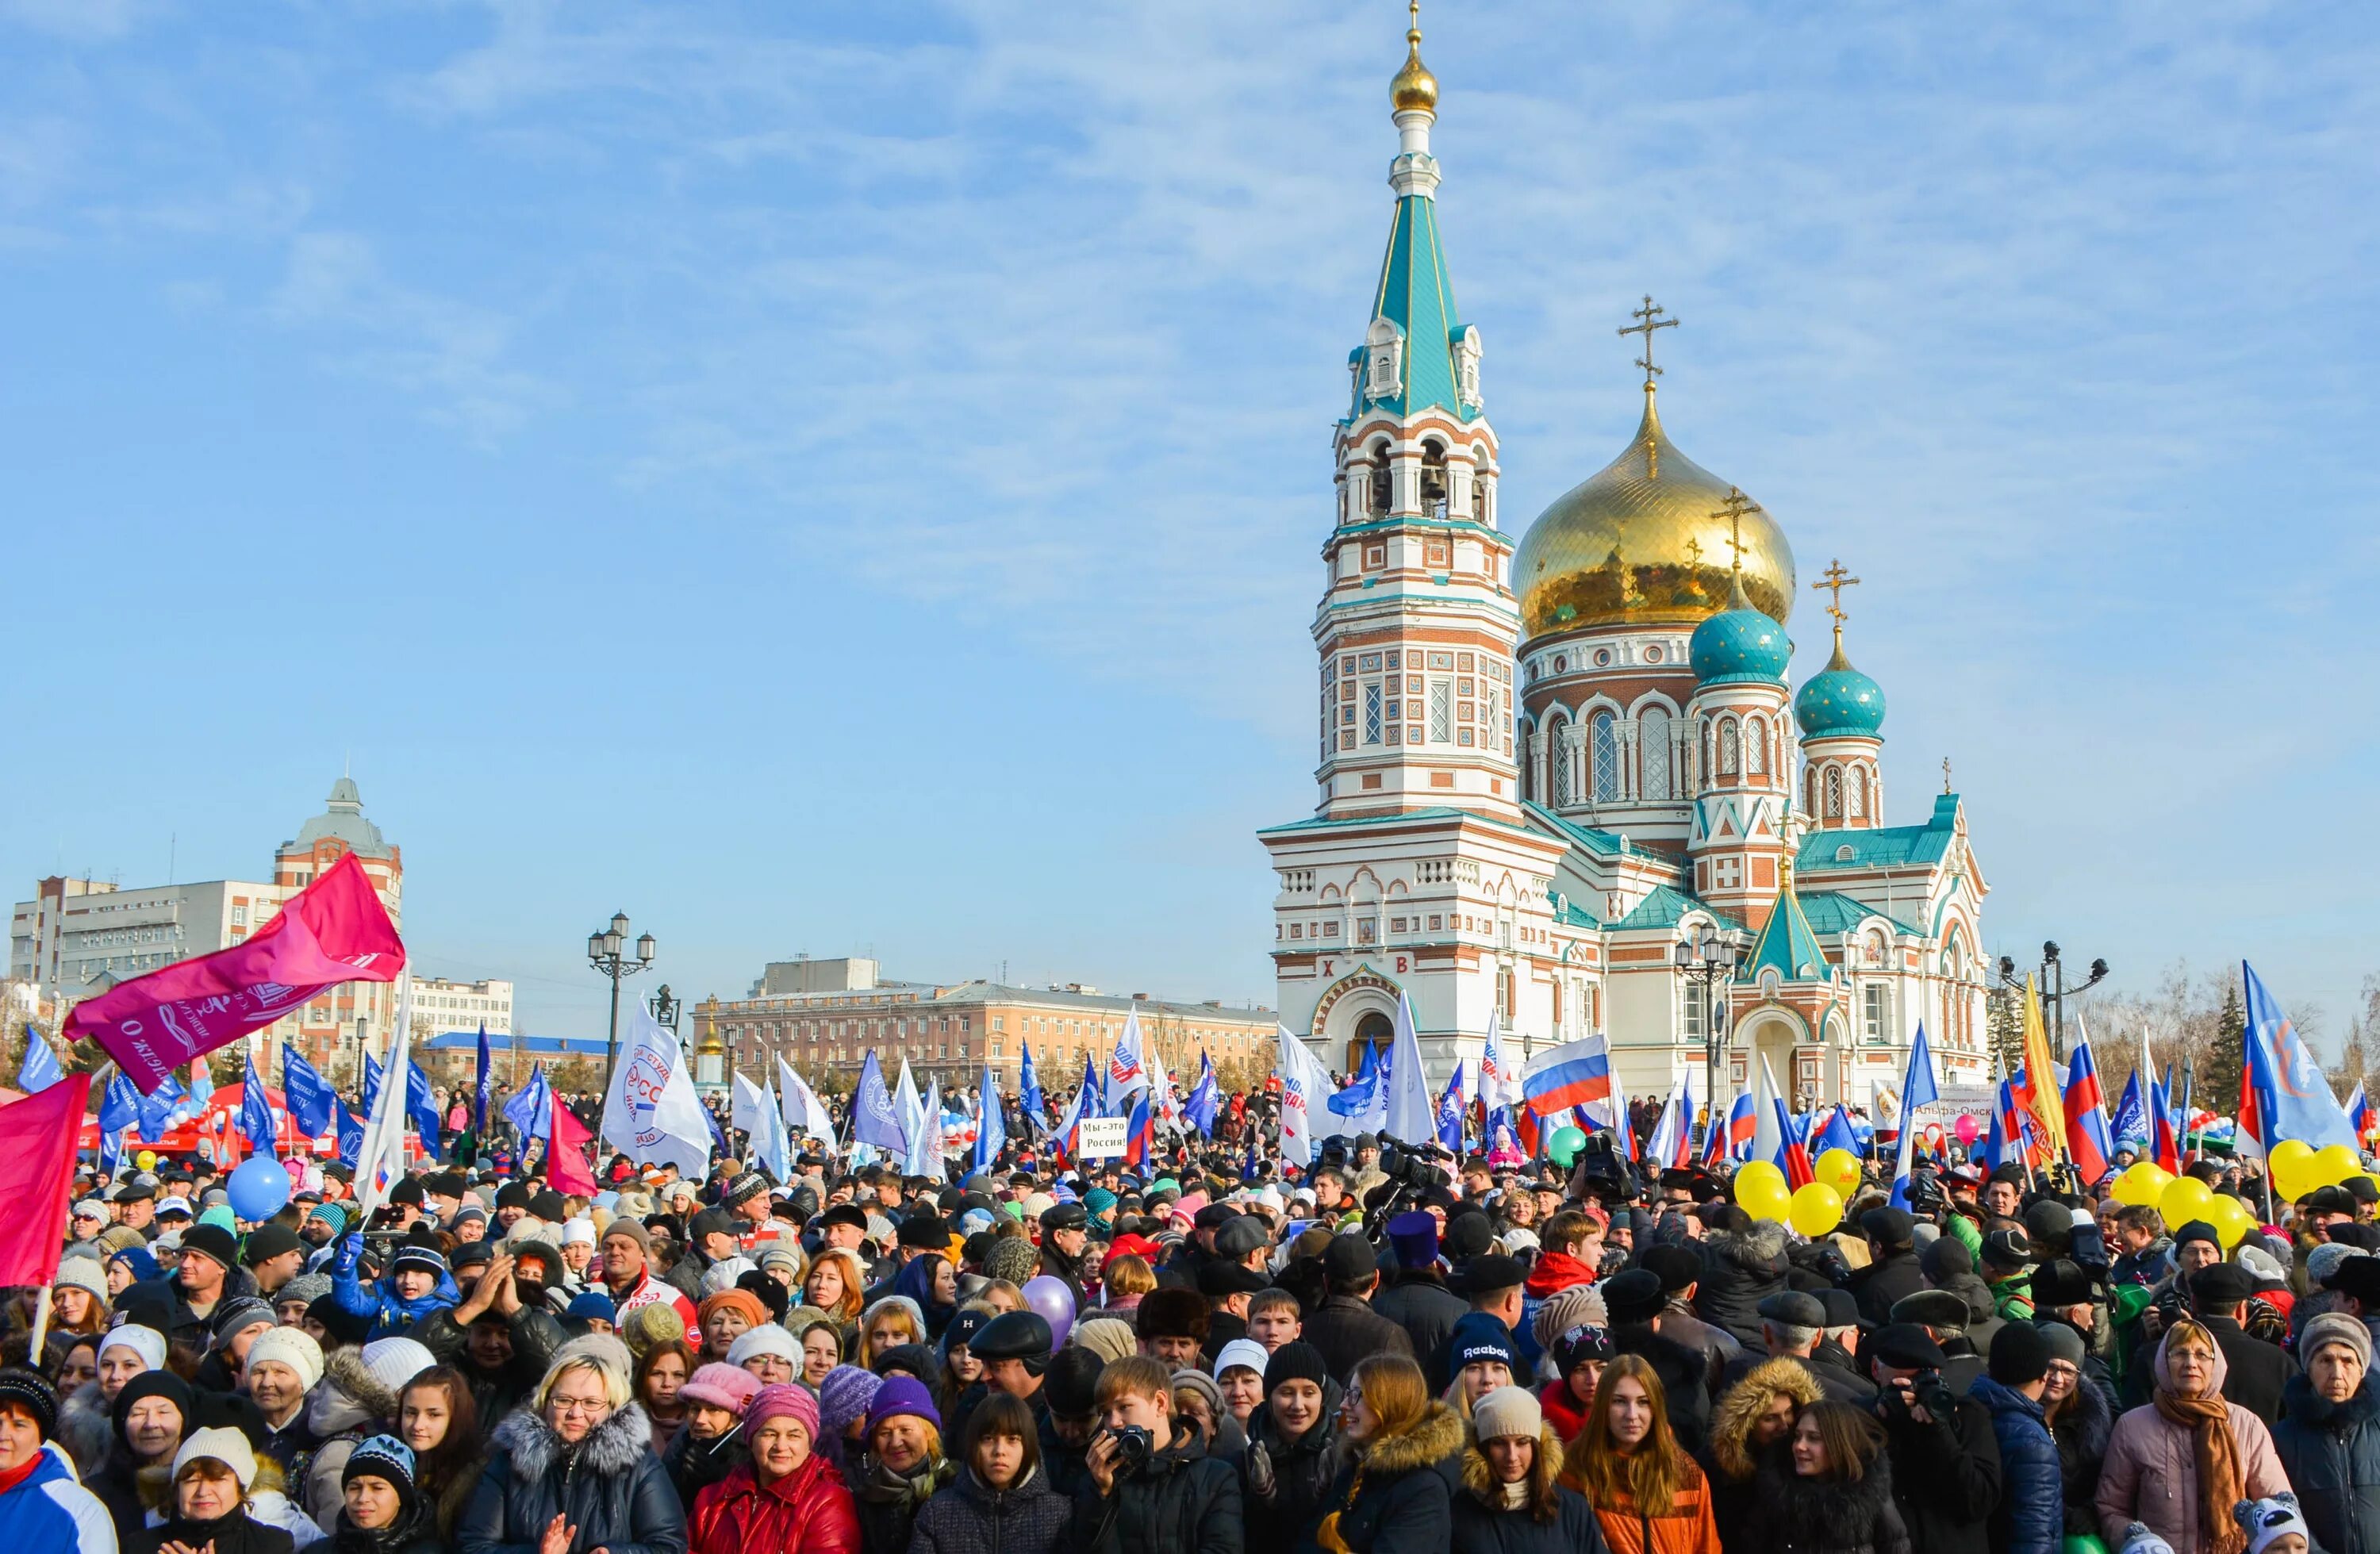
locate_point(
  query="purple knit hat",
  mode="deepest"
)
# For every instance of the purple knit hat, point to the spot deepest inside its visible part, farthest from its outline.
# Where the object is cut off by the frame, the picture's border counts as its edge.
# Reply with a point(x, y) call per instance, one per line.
point(901, 1394)
point(781, 1400)
point(845, 1396)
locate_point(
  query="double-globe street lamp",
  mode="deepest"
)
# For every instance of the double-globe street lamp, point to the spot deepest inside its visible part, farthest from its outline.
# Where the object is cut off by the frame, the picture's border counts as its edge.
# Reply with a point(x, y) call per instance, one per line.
point(607, 951)
point(2050, 981)
point(1711, 958)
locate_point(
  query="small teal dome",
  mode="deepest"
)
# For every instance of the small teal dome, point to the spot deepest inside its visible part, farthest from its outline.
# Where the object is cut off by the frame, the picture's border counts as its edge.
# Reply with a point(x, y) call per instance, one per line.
point(1739, 644)
point(1839, 700)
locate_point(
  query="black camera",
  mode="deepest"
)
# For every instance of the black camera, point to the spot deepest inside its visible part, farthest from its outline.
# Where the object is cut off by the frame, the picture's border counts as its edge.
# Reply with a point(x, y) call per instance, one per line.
point(1133, 1446)
point(1933, 1395)
point(1409, 1165)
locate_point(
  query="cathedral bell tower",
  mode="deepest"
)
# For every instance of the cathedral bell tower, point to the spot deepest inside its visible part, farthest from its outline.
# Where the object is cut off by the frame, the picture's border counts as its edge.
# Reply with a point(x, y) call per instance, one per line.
point(1418, 621)
point(1841, 714)
point(1736, 835)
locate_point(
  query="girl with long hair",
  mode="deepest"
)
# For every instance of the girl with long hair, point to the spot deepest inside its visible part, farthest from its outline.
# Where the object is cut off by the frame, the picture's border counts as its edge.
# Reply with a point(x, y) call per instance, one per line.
point(1752, 1425)
point(665, 1368)
point(1647, 1494)
point(439, 1423)
point(1396, 1494)
point(1003, 1499)
point(1830, 1492)
point(837, 1285)
point(892, 1321)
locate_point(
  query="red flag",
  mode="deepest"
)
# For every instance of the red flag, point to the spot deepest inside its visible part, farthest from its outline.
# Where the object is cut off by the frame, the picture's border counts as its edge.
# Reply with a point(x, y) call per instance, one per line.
point(335, 930)
point(565, 1166)
point(37, 1154)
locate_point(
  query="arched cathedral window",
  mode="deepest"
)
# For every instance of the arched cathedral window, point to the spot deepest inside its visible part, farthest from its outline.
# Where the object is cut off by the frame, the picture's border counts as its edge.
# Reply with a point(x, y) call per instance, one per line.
point(1606, 757)
point(1729, 756)
point(1859, 794)
point(1756, 746)
point(1383, 482)
point(1656, 725)
point(1433, 479)
point(1834, 792)
point(1558, 756)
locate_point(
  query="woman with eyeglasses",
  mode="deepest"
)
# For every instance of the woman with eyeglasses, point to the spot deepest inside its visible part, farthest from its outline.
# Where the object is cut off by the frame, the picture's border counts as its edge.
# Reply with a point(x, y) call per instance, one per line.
point(2081, 1416)
point(575, 1472)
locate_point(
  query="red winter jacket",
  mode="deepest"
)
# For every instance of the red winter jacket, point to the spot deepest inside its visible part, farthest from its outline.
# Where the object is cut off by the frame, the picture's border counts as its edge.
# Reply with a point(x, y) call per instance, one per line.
point(1561, 1408)
point(1555, 1272)
point(807, 1511)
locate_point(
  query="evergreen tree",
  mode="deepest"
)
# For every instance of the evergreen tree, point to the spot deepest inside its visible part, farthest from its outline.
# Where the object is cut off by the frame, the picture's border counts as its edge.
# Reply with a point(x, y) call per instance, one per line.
point(2218, 1071)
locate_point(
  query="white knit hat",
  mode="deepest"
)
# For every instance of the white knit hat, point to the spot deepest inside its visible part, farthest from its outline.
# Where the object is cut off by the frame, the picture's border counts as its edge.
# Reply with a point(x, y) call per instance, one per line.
point(577, 1231)
point(224, 1445)
point(82, 1273)
point(1244, 1353)
point(1507, 1411)
point(766, 1339)
point(395, 1361)
point(293, 1347)
point(2269, 1519)
point(147, 1343)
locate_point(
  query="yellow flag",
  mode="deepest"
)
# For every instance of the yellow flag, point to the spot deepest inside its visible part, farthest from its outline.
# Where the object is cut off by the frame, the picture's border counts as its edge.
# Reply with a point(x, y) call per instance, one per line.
point(2044, 1080)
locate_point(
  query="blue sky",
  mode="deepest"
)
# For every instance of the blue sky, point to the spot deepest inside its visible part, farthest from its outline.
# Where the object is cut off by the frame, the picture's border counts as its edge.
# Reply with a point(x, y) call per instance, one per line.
point(848, 478)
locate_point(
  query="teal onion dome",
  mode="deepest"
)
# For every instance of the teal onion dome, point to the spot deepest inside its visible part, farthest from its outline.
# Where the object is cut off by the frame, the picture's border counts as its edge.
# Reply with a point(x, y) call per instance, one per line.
point(1739, 644)
point(1839, 700)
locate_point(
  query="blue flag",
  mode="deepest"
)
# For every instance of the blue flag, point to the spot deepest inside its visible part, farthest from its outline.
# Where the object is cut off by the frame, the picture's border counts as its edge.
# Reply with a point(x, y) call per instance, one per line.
point(531, 1109)
point(1450, 1111)
point(2131, 1121)
point(873, 1120)
point(40, 1070)
point(119, 1107)
point(157, 1106)
point(1028, 1090)
point(1206, 1098)
point(2289, 1097)
point(991, 1126)
point(351, 1135)
point(372, 1084)
point(1357, 1098)
point(1836, 1134)
point(307, 1092)
point(1917, 1088)
point(479, 1103)
point(255, 1109)
point(421, 1106)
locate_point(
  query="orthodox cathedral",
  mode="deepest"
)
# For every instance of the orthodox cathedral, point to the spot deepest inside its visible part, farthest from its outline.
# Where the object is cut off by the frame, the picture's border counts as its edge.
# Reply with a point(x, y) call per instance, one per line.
point(1564, 785)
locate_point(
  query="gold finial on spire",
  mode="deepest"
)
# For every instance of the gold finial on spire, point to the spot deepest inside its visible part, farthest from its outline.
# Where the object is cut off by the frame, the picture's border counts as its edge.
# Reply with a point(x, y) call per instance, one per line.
point(1946, 774)
point(1415, 89)
point(1835, 579)
point(1648, 318)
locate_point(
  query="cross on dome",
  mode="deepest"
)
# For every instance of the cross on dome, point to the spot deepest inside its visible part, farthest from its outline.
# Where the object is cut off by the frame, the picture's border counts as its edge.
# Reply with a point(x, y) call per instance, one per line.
point(1835, 579)
point(1648, 318)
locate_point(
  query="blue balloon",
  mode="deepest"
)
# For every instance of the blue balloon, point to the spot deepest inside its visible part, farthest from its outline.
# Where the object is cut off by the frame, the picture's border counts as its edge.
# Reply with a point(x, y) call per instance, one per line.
point(259, 1188)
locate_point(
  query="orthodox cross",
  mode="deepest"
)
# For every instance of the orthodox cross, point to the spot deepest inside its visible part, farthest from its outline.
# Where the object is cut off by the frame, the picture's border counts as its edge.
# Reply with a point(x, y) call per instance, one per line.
point(1648, 318)
point(1732, 510)
point(1835, 579)
point(1946, 774)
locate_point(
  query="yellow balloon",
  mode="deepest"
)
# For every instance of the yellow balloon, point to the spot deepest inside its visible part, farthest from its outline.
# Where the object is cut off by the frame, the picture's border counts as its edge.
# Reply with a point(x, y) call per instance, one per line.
point(2231, 1221)
point(1839, 1169)
point(2142, 1182)
point(1763, 1199)
point(1816, 1208)
point(2185, 1198)
point(2336, 1162)
point(1757, 1176)
point(146, 1159)
point(2289, 1156)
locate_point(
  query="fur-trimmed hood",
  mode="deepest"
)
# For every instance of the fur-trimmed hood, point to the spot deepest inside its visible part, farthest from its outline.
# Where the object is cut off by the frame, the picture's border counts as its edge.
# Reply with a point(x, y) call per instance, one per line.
point(615, 1446)
point(1545, 1477)
point(86, 1428)
point(1731, 1426)
point(1437, 1436)
point(1760, 1250)
point(348, 1397)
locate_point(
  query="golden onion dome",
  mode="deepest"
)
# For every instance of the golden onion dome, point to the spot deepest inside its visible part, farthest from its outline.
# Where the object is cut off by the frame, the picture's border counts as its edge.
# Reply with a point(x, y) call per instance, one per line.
point(1644, 542)
point(1414, 87)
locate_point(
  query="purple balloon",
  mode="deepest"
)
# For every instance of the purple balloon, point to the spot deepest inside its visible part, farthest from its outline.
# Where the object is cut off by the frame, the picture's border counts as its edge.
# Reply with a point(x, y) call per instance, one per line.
point(1049, 1295)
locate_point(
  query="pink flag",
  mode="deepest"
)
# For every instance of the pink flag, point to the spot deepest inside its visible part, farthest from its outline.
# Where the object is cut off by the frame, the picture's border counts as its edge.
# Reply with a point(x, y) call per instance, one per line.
point(335, 930)
point(565, 1166)
point(37, 1155)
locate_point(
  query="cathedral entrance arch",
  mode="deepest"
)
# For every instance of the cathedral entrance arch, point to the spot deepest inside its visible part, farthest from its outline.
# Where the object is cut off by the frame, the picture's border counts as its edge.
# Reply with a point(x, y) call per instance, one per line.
point(1771, 1037)
point(1358, 1011)
point(1374, 1030)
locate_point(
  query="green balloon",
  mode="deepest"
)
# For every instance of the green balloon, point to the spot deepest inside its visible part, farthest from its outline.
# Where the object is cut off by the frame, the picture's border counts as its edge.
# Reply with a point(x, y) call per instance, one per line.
point(2088, 1543)
point(1564, 1148)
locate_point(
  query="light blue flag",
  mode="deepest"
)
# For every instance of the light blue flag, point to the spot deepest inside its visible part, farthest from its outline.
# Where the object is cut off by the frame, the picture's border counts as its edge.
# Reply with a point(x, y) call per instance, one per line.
point(991, 1126)
point(531, 1109)
point(309, 1094)
point(873, 1120)
point(351, 1135)
point(1028, 1090)
point(372, 1084)
point(119, 1107)
point(255, 1109)
point(422, 1107)
point(40, 1070)
point(2291, 1095)
point(1206, 1098)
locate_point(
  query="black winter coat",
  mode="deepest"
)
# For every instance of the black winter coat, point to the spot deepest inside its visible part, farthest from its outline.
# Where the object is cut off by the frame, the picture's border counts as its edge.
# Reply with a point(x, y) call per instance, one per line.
point(495, 1393)
point(1180, 1502)
point(887, 1504)
point(1302, 1472)
point(1480, 1528)
point(1347, 1329)
point(2331, 1452)
point(967, 1518)
point(695, 1465)
point(1740, 1270)
point(236, 1533)
point(1399, 1499)
point(1422, 1305)
point(416, 1532)
point(2258, 1371)
point(1946, 1477)
point(1876, 1286)
point(1800, 1515)
point(611, 1489)
point(2081, 1436)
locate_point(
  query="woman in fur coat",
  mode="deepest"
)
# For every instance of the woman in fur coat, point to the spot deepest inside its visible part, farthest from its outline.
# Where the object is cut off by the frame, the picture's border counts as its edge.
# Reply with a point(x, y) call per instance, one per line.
point(1396, 1495)
point(575, 1471)
point(1832, 1493)
point(1752, 1426)
point(1511, 1501)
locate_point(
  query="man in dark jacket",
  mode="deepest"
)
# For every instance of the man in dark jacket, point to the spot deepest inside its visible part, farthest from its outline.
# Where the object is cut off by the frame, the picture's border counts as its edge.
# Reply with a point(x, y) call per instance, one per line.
point(501, 1343)
point(2328, 1439)
point(1945, 1317)
point(2030, 1518)
point(710, 1235)
point(1176, 1498)
point(1892, 1271)
point(1744, 1264)
point(1417, 1298)
point(1793, 1322)
point(1677, 1268)
point(1346, 1328)
point(2258, 1371)
point(1945, 1465)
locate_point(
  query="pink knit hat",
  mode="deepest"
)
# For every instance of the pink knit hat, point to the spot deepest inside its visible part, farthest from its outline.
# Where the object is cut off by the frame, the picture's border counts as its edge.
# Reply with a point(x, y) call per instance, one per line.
point(727, 1386)
point(781, 1400)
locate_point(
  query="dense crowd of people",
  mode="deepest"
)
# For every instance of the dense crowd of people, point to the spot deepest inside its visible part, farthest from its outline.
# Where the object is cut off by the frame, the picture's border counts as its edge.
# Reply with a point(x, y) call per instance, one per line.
point(1386, 1353)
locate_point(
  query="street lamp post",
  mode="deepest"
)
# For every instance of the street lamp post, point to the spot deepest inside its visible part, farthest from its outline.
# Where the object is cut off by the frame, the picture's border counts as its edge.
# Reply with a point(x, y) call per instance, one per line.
point(1712, 959)
point(2051, 981)
point(607, 951)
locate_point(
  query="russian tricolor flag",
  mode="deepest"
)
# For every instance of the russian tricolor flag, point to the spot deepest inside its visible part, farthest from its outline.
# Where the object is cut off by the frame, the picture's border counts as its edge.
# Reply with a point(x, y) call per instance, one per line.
point(1576, 1074)
point(2087, 1138)
point(2358, 1111)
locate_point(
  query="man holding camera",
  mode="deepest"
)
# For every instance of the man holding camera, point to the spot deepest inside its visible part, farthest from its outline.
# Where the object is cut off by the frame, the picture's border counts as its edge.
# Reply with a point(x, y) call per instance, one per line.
point(1946, 1461)
point(1153, 1486)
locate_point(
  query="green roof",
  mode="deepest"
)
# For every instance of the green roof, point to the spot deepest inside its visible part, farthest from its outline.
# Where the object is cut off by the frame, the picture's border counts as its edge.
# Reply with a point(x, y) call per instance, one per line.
point(1787, 946)
point(1602, 843)
point(1433, 812)
point(1832, 912)
point(1569, 914)
point(1664, 907)
point(1418, 296)
point(1885, 847)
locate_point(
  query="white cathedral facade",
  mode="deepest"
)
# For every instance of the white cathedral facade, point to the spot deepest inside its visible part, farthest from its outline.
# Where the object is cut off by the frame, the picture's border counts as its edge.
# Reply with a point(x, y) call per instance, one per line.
point(1545, 765)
